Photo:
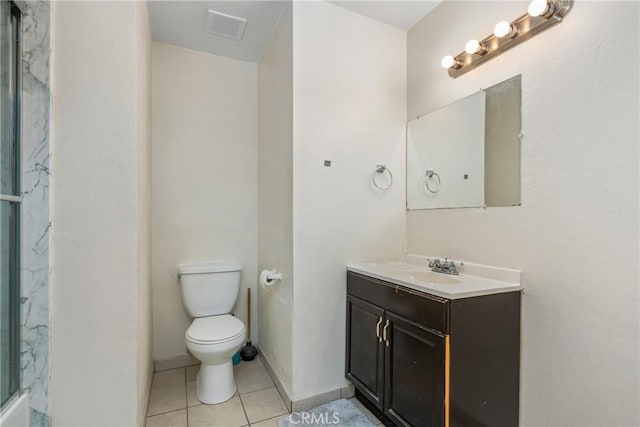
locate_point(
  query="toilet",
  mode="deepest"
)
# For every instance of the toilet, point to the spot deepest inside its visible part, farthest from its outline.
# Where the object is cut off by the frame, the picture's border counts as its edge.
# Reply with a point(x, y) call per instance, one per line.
point(209, 292)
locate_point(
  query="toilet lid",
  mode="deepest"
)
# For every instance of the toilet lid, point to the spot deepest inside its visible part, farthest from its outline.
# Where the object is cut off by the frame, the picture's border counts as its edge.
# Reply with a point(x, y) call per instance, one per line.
point(215, 329)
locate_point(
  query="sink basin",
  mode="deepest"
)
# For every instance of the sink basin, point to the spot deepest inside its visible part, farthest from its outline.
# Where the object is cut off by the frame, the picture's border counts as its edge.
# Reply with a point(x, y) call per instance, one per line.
point(429, 277)
point(413, 272)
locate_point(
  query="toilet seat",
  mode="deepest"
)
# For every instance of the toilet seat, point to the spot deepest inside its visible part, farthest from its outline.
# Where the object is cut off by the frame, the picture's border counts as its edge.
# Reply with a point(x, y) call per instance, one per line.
point(215, 329)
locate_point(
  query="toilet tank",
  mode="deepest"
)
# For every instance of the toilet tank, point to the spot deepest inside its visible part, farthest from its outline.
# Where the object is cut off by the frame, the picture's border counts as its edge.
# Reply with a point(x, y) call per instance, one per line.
point(209, 288)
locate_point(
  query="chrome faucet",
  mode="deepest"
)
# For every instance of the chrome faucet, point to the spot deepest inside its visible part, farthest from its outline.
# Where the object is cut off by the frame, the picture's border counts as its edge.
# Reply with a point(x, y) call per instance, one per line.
point(445, 267)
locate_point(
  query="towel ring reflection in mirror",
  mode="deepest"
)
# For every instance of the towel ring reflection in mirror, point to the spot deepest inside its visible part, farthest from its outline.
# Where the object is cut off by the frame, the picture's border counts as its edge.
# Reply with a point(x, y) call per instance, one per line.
point(429, 174)
point(380, 170)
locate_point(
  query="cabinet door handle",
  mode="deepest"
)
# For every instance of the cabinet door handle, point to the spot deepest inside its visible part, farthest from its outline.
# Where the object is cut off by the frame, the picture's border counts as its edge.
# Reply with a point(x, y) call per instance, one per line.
point(378, 329)
point(384, 332)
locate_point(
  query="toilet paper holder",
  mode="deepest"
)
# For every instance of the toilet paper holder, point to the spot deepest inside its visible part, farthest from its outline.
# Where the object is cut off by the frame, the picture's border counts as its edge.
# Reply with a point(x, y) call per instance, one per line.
point(268, 277)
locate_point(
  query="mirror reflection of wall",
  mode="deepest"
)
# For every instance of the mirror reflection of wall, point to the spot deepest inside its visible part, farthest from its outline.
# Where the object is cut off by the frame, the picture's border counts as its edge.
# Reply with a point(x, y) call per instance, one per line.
point(449, 142)
point(467, 154)
point(502, 144)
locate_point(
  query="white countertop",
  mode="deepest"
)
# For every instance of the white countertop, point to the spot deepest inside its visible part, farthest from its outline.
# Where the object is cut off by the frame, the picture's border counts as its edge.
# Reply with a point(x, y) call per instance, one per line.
point(413, 272)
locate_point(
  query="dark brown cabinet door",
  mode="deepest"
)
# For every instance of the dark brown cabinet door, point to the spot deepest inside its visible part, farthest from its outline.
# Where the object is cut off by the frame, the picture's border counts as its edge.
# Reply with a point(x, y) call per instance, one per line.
point(415, 374)
point(365, 351)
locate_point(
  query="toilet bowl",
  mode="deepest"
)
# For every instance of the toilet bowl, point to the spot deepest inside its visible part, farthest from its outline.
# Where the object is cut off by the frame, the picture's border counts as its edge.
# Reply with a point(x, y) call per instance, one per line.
point(214, 340)
point(209, 292)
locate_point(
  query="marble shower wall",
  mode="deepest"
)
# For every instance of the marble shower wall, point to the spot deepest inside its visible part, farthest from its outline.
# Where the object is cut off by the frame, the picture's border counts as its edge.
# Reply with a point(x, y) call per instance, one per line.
point(36, 224)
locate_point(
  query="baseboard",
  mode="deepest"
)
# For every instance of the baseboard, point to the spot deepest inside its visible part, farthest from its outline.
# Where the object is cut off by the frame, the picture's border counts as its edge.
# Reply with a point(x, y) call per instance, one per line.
point(279, 386)
point(309, 402)
point(143, 414)
point(179, 361)
point(314, 401)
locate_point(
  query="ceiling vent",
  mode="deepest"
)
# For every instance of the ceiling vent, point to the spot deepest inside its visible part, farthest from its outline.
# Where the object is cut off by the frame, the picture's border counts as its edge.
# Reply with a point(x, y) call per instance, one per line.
point(224, 25)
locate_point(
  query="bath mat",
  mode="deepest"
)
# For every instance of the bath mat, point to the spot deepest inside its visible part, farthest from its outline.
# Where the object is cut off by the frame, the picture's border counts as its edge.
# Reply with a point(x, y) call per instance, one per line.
point(337, 413)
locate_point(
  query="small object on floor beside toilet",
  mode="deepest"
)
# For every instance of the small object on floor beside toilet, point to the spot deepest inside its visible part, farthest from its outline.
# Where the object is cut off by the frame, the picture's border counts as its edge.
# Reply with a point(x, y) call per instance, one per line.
point(248, 352)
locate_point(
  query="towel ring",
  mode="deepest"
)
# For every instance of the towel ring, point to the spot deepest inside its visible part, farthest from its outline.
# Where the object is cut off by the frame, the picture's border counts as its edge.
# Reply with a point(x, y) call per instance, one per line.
point(432, 174)
point(380, 169)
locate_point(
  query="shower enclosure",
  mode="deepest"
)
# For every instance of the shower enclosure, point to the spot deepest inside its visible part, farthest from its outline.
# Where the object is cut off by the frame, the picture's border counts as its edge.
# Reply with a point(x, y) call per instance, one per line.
point(10, 200)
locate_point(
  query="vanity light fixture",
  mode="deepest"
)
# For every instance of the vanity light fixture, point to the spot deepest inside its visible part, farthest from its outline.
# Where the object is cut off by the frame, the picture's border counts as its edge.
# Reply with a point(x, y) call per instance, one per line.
point(473, 46)
point(449, 62)
point(541, 15)
point(504, 29)
point(540, 8)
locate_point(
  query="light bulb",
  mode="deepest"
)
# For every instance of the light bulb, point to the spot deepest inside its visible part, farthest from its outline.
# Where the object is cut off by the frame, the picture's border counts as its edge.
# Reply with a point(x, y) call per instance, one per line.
point(538, 7)
point(503, 29)
point(448, 61)
point(472, 46)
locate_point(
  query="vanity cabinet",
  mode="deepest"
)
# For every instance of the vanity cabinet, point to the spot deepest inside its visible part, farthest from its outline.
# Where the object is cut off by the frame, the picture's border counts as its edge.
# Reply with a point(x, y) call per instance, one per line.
point(421, 360)
point(365, 348)
point(415, 359)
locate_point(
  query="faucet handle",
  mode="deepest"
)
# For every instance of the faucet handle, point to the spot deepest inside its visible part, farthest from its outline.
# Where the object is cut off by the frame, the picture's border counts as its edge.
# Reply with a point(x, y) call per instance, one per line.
point(434, 262)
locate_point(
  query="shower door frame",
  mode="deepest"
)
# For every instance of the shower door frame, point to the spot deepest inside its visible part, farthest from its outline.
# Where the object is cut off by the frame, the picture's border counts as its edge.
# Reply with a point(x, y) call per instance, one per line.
point(14, 201)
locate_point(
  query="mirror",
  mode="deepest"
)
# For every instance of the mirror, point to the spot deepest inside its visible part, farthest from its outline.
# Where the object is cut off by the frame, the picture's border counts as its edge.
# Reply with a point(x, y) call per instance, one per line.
point(467, 154)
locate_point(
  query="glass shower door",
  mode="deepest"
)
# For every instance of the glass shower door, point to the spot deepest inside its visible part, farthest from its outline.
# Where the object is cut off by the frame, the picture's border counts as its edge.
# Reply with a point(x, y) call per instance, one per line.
point(9, 202)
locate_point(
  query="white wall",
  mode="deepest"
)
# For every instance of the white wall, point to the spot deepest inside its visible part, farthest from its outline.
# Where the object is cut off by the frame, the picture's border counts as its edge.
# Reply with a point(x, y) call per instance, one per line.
point(275, 198)
point(576, 234)
point(99, 342)
point(349, 97)
point(204, 174)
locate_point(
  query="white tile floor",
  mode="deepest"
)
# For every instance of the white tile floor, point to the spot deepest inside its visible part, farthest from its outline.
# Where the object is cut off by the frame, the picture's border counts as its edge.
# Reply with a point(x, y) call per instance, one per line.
point(173, 400)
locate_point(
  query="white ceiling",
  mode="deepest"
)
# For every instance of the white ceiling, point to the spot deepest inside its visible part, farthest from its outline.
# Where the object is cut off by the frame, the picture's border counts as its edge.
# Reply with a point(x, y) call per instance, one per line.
point(182, 22)
point(399, 13)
